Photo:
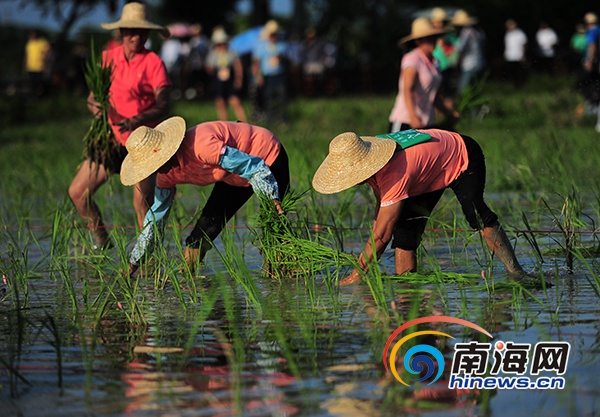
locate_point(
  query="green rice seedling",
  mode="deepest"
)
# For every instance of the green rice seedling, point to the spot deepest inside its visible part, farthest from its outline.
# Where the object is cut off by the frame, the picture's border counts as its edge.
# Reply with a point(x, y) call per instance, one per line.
point(569, 223)
point(234, 262)
point(286, 250)
point(99, 140)
point(472, 98)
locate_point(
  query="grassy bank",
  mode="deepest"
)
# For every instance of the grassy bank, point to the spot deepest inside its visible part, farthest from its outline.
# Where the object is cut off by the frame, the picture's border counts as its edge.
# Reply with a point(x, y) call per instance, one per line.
point(534, 144)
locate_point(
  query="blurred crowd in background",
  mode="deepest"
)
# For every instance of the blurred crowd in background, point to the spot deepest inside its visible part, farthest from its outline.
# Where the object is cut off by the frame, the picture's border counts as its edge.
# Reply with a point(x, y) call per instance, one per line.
point(311, 66)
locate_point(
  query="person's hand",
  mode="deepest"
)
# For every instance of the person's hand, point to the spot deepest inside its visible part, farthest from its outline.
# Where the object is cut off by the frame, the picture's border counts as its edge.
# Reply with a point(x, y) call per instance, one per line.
point(278, 207)
point(128, 125)
point(351, 279)
point(95, 107)
point(191, 256)
point(131, 270)
point(415, 122)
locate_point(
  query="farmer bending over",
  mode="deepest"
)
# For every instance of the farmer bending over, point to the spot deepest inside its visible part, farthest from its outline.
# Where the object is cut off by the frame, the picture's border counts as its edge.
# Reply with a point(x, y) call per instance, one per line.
point(408, 172)
point(238, 158)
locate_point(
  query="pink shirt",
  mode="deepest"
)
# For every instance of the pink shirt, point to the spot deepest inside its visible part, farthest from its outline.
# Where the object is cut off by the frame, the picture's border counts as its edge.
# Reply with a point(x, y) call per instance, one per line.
point(203, 145)
point(133, 85)
point(423, 168)
point(426, 86)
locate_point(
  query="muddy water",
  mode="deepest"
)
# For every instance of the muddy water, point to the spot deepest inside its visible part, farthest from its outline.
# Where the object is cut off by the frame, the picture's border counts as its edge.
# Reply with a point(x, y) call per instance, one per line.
point(310, 350)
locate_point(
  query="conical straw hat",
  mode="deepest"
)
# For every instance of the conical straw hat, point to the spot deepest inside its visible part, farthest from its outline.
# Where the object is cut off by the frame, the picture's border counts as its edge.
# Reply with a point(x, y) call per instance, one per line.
point(149, 149)
point(422, 28)
point(462, 18)
point(133, 16)
point(351, 160)
point(438, 15)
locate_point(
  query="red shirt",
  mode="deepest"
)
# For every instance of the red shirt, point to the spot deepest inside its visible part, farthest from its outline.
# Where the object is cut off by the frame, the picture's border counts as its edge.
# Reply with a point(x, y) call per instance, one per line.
point(423, 168)
point(203, 145)
point(133, 86)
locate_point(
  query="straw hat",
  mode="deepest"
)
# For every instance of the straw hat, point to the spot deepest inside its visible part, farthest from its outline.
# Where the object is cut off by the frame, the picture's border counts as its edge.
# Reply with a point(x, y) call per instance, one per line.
point(462, 18)
point(422, 28)
point(351, 160)
point(438, 15)
point(219, 36)
point(270, 27)
point(133, 16)
point(590, 18)
point(149, 149)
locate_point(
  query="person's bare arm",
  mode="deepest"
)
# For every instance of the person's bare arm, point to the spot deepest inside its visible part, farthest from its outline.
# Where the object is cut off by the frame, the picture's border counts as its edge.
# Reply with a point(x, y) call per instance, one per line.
point(383, 229)
point(155, 113)
point(409, 75)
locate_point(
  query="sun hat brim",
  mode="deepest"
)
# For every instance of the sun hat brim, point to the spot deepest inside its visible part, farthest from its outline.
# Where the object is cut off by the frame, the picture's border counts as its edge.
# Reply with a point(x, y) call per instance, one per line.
point(149, 160)
point(335, 175)
point(433, 32)
point(136, 24)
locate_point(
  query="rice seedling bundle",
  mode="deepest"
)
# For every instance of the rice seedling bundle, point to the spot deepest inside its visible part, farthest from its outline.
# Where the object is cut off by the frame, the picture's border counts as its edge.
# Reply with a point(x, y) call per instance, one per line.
point(287, 247)
point(99, 140)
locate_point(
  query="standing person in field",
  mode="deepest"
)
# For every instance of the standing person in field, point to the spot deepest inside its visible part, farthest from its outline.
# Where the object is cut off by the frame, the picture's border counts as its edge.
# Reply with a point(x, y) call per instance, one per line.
point(37, 51)
point(238, 158)
point(515, 44)
point(269, 71)
point(471, 40)
point(139, 94)
point(407, 184)
point(419, 84)
point(547, 41)
point(225, 67)
point(446, 54)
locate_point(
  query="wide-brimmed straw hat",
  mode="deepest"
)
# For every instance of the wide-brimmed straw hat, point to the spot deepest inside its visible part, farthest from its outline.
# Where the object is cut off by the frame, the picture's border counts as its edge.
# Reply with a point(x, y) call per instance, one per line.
point(133, 16)
point(269, 28)
point(150, 148)
point(462, 18)
point(422, 28)
point(219, 37)
point(351, 160)
point(438, 15)
point(590, 18)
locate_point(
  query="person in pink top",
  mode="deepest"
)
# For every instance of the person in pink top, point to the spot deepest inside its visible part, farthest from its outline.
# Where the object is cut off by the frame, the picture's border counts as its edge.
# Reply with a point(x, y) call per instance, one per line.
point(407, 183)
point(238, 158)
point(139, 92)
point(419, 85)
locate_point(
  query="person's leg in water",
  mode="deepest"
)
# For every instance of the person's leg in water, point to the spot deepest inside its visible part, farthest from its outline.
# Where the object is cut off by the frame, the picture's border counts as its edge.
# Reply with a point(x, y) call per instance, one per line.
point(498, 243)
point(409, 230)
point(222, 204)
point(90, 177)
point(469, 188)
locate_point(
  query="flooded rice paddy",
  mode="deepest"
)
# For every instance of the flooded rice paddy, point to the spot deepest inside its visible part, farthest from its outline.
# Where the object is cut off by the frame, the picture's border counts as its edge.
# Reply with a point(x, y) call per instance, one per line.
point(79, 339)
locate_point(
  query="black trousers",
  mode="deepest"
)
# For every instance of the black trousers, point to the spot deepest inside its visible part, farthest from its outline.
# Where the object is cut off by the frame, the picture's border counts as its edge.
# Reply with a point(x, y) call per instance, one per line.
point(468, 188)
point(225, 200)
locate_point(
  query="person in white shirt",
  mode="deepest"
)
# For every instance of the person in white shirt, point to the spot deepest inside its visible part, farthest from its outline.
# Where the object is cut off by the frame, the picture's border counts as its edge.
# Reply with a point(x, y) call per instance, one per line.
point(547, 40)
point(515, 43)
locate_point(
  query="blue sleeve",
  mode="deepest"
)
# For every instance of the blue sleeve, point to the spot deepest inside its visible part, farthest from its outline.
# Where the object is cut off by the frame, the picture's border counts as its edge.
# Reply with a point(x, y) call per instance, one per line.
point(154, 224)
point(251, 168)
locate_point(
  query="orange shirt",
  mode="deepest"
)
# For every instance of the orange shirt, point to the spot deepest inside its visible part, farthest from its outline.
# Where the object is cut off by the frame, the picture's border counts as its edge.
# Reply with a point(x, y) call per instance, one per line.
point(423, 168)
point(133, 85)
point(203, 145)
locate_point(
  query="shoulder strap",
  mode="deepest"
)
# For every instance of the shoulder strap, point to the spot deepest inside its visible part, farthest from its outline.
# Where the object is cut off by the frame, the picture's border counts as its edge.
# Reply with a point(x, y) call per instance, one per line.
point(406, 138)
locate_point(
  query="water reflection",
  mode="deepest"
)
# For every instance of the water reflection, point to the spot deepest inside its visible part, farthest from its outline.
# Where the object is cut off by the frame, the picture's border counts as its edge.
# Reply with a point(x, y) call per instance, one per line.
point(312, 349)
